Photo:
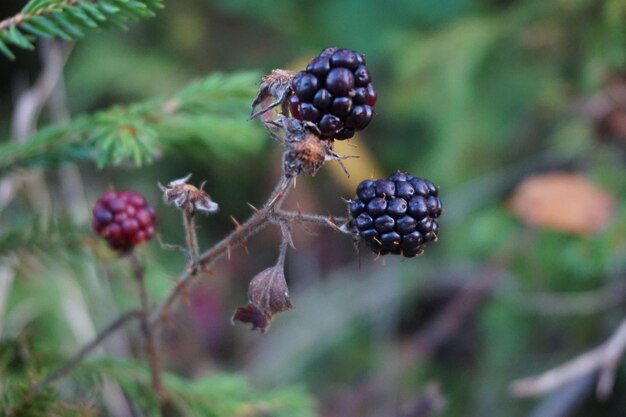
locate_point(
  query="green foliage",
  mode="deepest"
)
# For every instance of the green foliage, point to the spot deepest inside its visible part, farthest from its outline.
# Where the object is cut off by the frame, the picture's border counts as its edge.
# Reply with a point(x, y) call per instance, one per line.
point(218, 395)
point(69, 19)
point(474, 95)
point(20, 369)
point(211, 112)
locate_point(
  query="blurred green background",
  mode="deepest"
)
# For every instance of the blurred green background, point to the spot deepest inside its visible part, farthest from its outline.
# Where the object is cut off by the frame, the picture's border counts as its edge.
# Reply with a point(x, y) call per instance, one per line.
point(475, 95)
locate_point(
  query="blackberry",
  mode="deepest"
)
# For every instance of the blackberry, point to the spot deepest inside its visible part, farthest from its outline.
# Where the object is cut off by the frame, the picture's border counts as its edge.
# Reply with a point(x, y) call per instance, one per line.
point(124, 219)
point(335, 93)
point(397, 215)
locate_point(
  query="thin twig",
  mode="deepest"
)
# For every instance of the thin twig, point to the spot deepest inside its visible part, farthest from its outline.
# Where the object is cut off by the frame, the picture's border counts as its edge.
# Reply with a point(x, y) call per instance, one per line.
point(192, 240)
point(30, 102)
point(255, 223)
point(604, 358)
point(291, 216)
point(284, 244)
point(72, 363)
point(456, 313)
point(584, 302)
point(567, 400)
point(149, 341)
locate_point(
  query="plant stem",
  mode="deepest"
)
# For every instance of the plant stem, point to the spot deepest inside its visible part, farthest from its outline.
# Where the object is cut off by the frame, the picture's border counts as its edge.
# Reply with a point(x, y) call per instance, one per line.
point(255, 223)
point(284, 244)
point(270, 212)
point(291, 216)
point(149, 340)
point(192, 240)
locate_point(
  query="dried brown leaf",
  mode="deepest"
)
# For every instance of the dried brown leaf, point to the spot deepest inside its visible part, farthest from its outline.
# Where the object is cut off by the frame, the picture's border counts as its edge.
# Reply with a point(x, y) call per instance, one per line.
point(268, 294)
point(565, 202)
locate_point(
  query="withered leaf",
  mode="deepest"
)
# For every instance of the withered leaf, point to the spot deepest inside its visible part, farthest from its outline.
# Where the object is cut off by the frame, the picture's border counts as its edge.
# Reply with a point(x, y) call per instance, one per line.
point(565, 202)
point(268, 294)
point(253, 315)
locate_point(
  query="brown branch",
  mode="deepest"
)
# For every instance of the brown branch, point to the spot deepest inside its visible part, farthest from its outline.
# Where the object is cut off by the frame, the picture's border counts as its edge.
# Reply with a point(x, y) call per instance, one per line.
point(192, 240)
point(149, 342)
point(453, 316)
point(72, 363)
point(604, 358)
point(443, 327)
point(291, 216)
point(256, 222)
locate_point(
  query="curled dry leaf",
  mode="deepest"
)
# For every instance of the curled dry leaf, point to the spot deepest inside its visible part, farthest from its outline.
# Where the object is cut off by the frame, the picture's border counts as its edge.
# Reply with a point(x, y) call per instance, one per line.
point(268, 294)
point(565, 202)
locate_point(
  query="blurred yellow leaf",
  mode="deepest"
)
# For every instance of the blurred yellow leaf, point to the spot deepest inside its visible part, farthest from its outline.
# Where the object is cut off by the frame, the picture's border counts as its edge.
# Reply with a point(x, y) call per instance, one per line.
point(569, 203)
point(364, 166)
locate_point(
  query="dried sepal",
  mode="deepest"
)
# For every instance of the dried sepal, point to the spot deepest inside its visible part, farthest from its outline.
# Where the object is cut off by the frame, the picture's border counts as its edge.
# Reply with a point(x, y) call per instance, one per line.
point(306, 153)
point(252, 314)
point(305, 156)
point(268, 294)
point(273, 91)
point(187, 197)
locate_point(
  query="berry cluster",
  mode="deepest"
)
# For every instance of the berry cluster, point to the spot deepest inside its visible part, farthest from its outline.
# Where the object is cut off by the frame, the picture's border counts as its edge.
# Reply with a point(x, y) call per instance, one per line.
point(396, 215)
point(123, 219)
point(335, 93)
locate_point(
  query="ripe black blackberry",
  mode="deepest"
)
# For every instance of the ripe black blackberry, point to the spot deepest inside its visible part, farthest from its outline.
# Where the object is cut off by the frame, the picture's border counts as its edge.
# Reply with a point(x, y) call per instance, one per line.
point(123, 219)
point(396, 215)
point(335, 93)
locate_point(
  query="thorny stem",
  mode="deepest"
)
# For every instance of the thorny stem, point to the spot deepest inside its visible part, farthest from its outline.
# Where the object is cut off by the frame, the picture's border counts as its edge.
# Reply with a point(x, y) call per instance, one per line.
point(289, 216)
point(149, 340)
point(268, 213)
point(73, 362)
point(255, 223)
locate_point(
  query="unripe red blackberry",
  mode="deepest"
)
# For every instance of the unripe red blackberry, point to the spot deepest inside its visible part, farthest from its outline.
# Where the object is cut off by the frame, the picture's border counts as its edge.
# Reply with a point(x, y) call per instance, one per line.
point(335, 93)
point(124, 219)
point(396, 215)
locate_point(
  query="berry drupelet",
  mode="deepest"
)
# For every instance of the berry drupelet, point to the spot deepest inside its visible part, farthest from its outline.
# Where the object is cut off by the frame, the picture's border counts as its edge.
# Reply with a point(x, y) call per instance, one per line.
point(124, 219)
point(396, 215)
point(335, 93)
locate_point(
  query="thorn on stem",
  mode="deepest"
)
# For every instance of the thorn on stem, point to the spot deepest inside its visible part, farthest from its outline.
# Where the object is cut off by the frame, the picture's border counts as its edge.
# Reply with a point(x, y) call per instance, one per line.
point(256, 210)
point(245, 246)
point(237, 224)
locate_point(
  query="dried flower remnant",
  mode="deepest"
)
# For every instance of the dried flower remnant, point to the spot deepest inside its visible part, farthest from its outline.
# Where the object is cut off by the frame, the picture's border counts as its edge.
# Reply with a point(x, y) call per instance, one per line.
point(306, 152)
point(275, 86)
point(187, 197)
point(268, 294)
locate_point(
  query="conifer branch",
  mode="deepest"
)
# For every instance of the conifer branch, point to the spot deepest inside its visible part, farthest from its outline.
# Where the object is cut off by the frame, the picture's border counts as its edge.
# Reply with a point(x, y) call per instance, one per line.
point(211, 111)
point(68, 20)
point(67, 367)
